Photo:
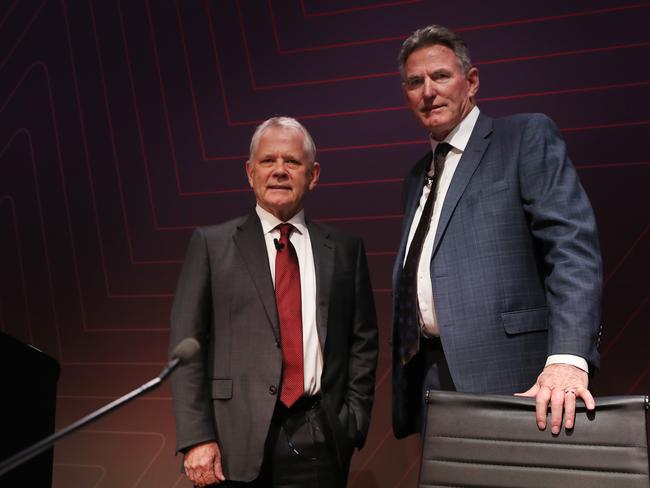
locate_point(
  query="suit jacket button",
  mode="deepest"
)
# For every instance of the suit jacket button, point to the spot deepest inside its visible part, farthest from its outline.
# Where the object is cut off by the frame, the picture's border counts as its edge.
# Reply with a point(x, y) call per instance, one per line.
point(273, 389)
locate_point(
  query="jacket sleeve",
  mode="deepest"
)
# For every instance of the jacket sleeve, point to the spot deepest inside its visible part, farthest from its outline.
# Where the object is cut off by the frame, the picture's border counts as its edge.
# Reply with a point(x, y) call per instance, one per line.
point(563, 225)
point(191, 317)
point(363, 348)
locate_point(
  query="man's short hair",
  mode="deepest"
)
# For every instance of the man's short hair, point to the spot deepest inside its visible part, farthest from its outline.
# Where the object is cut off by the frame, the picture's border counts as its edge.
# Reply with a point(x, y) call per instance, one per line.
point(430, 36)
point(284, 123)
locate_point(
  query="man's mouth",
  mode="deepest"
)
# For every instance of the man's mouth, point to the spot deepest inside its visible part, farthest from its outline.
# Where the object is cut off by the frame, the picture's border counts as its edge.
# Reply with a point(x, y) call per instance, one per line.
point(432, 108)
point(278, 187)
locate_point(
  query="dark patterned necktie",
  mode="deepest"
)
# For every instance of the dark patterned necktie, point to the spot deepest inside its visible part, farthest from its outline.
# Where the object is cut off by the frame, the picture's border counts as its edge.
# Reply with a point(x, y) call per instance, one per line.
point(407, 312)
point(288, 300)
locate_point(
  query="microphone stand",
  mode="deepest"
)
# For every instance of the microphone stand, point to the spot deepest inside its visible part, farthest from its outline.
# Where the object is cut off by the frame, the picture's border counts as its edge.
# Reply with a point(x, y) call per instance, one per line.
point(44, 444)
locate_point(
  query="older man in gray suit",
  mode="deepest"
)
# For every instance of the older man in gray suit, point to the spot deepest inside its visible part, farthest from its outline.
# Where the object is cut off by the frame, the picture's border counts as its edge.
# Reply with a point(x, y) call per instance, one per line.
point(497, 283)
point(284, 311)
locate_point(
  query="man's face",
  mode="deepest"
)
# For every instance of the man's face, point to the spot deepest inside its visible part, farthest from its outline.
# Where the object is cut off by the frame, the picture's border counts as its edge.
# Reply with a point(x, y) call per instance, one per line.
point(437, 90)
point(279, 173)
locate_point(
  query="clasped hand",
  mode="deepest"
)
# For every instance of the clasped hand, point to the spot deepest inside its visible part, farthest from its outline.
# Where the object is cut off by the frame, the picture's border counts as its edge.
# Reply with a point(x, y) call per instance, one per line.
point(203, 464)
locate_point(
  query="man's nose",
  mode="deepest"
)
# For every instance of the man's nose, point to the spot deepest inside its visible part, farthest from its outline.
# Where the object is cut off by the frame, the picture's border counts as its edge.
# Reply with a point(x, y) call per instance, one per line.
point(428, 88)
point(279, 168)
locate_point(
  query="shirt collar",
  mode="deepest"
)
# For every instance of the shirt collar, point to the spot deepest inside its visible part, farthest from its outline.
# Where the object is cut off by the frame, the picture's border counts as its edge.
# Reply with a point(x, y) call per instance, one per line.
point(270, 222)
point(459, 137)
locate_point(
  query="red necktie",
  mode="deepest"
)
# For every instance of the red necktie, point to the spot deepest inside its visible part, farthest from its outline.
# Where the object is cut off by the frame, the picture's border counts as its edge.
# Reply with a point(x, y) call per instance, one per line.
point(287, 297)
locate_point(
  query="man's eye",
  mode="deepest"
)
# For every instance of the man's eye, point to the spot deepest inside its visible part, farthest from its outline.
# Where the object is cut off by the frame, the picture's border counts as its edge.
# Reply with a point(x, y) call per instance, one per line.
point(412, 83)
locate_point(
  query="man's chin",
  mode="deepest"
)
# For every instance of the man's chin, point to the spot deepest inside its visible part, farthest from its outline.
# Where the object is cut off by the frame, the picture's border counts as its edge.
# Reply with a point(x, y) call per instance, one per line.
point(283, 210)
point(436, 127)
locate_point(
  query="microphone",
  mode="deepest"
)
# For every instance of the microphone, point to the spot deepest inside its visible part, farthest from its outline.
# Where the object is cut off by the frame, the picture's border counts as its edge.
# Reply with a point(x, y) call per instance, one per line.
point(278, 245)
point(186, 349)
point(182, 353)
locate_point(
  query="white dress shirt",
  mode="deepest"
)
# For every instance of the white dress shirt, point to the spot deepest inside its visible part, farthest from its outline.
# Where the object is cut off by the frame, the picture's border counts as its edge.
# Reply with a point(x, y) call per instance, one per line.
point(311, 352)
point(458, 139)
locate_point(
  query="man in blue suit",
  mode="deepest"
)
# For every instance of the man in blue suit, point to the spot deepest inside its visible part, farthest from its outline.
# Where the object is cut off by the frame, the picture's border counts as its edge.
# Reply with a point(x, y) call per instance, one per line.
point(497, 282)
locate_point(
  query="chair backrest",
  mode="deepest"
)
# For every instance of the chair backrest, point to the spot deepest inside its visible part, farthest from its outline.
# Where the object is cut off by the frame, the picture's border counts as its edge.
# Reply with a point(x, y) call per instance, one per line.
point(493, 441)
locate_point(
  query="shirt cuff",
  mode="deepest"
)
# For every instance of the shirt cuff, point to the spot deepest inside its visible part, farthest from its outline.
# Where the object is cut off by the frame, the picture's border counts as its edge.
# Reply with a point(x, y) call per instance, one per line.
point(576, 361)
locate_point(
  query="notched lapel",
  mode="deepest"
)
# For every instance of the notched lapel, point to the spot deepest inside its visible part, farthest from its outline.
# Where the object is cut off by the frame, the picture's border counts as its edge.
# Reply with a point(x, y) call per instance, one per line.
point(323, 249)
point(249, 239)
point(471, 158)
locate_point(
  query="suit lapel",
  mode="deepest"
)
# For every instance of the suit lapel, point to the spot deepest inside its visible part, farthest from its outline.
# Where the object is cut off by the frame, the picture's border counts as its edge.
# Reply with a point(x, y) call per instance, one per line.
point(249, 239)
point(323, 249)
point(476, 146)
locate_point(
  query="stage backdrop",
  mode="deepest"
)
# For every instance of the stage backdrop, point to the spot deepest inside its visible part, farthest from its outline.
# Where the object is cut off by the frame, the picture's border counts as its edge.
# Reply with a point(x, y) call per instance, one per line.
point(125, 124)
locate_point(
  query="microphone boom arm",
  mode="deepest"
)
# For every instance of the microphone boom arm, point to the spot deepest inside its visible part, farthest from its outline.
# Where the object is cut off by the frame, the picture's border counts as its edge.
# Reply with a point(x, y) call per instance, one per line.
point(184, 351)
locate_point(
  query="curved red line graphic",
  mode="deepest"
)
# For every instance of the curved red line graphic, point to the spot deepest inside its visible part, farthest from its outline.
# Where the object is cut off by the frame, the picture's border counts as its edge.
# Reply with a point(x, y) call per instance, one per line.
point(635, 313)
point(494, 25)
point(353, 9)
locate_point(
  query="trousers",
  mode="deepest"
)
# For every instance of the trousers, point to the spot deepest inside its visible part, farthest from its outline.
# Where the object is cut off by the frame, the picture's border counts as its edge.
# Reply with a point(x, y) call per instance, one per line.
point(299, 452)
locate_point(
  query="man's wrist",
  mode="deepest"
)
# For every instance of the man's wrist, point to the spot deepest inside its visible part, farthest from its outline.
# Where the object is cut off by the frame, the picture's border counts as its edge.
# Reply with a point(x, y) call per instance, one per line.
point(576, 361)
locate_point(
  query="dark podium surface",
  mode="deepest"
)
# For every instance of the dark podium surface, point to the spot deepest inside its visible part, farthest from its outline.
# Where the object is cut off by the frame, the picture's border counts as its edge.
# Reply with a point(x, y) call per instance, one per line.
point(28, 378)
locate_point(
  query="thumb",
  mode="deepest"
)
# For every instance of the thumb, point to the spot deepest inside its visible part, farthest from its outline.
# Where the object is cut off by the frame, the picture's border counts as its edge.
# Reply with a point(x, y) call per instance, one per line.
point(218, 468)
point(531, 392)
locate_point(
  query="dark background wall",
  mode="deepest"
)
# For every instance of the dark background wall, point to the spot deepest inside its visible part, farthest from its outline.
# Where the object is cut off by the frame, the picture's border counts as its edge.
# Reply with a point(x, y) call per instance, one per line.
point(125, 124)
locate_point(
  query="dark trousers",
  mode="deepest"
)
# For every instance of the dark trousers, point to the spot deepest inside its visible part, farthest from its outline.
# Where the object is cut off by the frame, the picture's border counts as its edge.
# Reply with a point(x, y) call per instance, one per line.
point(437, 376)
point(299, 451)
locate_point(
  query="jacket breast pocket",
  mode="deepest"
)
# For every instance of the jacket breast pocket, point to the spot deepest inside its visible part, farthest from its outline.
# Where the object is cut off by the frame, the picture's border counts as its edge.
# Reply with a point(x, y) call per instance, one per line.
point(521, 321)
point(222, 389)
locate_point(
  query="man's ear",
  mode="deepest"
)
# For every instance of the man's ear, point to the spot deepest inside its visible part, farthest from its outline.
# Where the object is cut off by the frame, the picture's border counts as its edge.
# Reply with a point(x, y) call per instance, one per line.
point(315, 175)
point(249, 172)
point(473, 80)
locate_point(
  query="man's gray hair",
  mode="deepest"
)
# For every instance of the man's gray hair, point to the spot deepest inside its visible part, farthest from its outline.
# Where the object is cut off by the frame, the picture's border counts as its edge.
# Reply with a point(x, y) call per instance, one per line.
point(430, 36)
point(284, 123)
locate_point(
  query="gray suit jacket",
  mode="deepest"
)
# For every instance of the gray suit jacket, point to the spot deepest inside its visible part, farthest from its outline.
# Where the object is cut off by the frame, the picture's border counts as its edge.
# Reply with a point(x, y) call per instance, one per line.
point(516, 268)
point(225, 298)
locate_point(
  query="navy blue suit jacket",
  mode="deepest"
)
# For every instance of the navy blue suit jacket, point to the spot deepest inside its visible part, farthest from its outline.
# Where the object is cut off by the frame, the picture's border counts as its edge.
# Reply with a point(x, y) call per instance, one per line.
point(516, 268)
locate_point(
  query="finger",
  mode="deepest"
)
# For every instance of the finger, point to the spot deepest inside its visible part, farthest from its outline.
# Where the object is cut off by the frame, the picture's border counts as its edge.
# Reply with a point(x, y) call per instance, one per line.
point(196, 472)
point(190, 465)
point(530, 392)
point(557, 404)
point(195, 477)
point(541, 406)
point(205, 477)
point(586, 396)
point(569, 408)
point(189, 472)
point(218, 471)
point(208, 477)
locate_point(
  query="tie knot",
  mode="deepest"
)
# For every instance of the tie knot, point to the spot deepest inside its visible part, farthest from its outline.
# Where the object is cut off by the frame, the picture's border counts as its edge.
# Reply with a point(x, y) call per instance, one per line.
point(285, 229)
point(442, 150)
point(439, 156)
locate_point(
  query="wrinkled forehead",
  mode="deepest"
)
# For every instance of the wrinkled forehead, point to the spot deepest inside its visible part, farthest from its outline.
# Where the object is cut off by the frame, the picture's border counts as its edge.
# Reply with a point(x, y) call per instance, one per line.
point(281, 141)
point(276, 136)
point(431, 57)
